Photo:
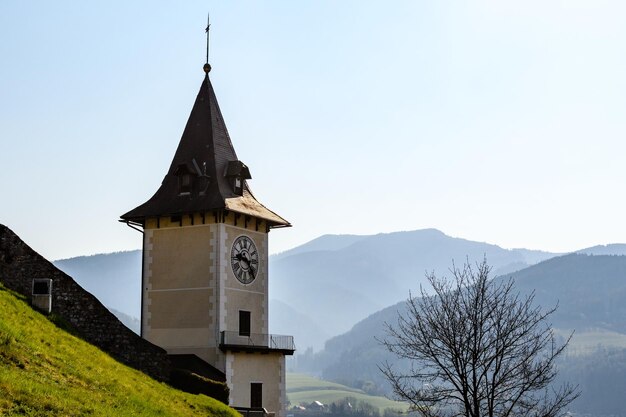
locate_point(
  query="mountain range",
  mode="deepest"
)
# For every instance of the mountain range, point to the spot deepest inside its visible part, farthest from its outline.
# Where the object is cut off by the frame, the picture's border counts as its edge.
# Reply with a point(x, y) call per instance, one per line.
point(115, 278)
point(337, 280)
point(322, 288)
point(589, 291)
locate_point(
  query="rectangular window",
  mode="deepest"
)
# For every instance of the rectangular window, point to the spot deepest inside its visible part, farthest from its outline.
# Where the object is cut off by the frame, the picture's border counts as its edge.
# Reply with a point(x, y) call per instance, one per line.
point(244, 323)
point(184, 184)
point(42, 286)
point(256, 395)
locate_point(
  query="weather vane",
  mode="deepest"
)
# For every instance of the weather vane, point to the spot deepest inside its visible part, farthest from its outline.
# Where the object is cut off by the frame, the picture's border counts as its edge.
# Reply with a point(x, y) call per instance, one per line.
point(207, 67)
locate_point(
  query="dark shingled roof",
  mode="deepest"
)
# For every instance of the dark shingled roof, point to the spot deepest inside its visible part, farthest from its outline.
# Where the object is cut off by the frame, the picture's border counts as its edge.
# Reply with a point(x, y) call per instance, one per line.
point(206, 153)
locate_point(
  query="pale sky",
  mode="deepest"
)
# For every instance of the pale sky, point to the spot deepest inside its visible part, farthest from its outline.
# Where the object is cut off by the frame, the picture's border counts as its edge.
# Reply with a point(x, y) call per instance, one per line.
point(497, 121)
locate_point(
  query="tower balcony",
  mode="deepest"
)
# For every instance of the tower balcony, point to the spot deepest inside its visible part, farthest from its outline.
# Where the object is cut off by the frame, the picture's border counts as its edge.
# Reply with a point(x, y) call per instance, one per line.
point(256, 342)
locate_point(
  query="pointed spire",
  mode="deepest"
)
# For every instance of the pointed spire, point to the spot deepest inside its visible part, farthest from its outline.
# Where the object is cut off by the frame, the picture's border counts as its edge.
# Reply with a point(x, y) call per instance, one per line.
point(205, 173)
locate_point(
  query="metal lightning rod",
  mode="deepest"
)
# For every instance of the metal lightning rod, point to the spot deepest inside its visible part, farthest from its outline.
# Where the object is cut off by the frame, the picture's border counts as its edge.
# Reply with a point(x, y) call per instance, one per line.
point(208, 26)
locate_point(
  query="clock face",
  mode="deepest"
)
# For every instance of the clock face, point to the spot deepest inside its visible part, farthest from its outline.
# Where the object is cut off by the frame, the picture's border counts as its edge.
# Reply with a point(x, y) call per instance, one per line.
point(244, 259)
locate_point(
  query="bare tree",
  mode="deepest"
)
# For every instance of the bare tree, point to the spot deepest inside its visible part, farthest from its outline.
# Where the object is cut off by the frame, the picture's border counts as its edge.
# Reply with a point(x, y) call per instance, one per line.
point(477, 348)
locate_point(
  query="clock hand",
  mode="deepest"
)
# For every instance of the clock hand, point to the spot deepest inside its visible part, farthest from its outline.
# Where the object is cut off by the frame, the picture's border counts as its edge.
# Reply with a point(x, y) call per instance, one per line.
point(242, 257)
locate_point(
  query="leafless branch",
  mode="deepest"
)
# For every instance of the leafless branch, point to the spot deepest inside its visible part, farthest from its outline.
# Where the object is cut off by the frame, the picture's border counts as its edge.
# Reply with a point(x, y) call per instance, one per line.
point(477, 348)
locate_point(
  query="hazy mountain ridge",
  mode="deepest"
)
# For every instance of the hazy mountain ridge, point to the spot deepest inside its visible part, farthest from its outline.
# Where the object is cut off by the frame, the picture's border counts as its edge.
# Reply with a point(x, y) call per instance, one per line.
point(132, 323)
point(330, 283)
point(322, 243)
point(293, 319)
point(590, 291)
point(610, 249)
point(114, 278)
point(339, 287)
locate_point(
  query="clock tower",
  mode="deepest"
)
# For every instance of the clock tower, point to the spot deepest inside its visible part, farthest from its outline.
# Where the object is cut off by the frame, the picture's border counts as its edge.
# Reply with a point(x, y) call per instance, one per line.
point(205, 263)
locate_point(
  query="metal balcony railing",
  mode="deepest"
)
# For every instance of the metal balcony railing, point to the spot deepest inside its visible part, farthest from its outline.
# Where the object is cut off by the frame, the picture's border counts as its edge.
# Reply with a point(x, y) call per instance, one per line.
point(254, 412)
point(258, 341)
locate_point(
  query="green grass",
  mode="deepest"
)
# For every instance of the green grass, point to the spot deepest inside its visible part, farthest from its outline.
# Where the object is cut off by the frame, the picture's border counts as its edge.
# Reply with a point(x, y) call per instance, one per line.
point(303, 389)
point(46, 371)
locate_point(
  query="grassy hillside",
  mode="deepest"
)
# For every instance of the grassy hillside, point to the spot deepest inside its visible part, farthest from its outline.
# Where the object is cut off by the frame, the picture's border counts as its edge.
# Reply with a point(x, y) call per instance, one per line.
point(303, 389)
point(47, 371)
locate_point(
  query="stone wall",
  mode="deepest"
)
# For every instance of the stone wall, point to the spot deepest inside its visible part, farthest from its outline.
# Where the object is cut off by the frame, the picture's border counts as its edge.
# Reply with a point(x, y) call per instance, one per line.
point(19, 265)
